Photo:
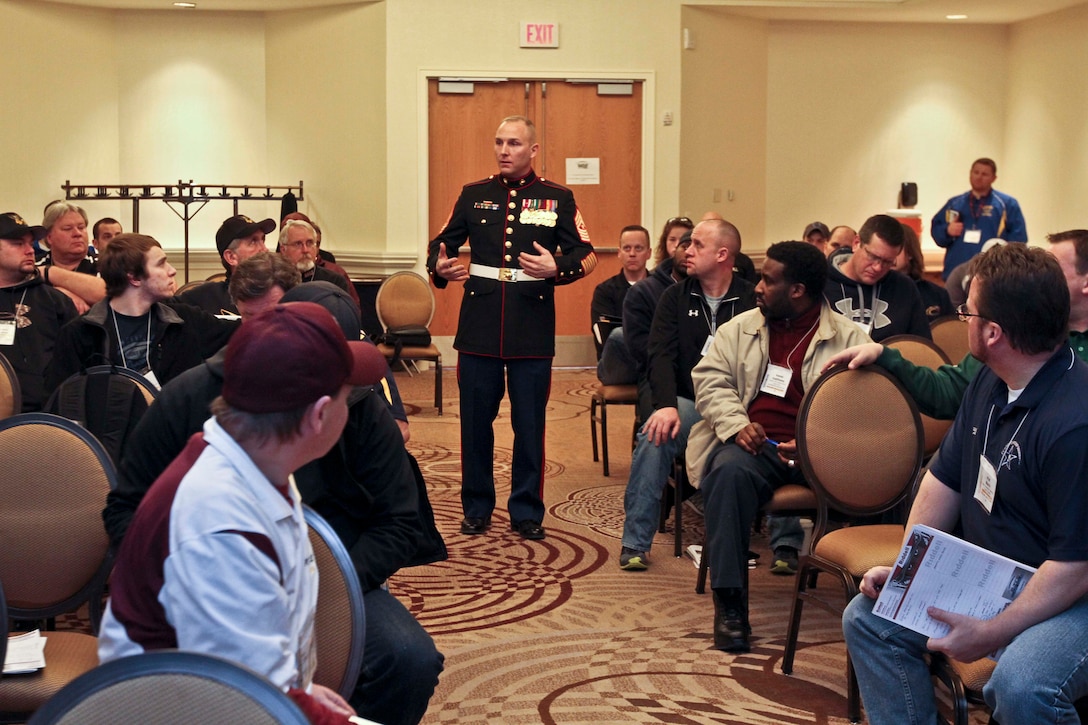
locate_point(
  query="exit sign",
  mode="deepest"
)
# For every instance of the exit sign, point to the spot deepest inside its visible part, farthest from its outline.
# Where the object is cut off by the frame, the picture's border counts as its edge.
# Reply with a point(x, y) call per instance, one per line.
point(540, 35)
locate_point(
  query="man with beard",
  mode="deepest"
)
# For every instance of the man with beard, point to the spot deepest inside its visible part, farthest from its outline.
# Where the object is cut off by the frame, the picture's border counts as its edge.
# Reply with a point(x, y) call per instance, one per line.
point(298, 245)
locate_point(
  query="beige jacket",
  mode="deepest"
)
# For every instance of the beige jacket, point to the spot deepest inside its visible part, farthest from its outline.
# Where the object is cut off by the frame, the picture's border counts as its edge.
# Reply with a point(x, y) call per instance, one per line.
point(728, 377)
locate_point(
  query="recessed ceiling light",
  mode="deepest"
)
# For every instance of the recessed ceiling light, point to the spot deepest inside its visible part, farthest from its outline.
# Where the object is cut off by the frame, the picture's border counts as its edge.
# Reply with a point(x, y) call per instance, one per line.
point(949, 17)
point(184, 5)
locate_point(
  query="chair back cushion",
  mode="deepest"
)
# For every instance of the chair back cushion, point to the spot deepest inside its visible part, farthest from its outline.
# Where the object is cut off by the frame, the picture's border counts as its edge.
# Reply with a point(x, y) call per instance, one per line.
point(950, 334)
point(340, 620)
point(404, 299)
point(925, 353)
point(170, 688)
point(859, 440)
point(54, 477)
point(11, 399)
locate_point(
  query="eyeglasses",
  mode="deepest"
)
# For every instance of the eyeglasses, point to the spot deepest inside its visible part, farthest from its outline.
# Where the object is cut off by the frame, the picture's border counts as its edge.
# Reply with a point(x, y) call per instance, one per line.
point(876, 261)
point(308, 243)
point(961, 310)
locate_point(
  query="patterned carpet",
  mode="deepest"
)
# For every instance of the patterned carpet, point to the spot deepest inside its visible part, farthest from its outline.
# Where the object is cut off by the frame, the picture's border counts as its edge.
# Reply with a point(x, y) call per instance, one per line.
point(555, 632)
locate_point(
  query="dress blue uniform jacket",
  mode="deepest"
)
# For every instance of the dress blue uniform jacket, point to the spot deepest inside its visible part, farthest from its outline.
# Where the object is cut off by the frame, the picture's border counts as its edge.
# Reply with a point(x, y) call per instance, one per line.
point(501, 218)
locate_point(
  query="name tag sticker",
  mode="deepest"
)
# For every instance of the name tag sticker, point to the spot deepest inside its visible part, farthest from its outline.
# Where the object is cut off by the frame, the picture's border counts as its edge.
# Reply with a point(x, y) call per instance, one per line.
point(7, 332)
point(972, 236)
point(776, 381)
point(986, 485)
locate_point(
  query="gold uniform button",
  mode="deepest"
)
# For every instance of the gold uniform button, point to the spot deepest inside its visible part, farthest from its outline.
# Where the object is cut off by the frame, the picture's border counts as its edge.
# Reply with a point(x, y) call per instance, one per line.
point(513, 205)
point(509, 244)
point(513, 195)
point(507, 257)
point(509, 230)
point(509, 217)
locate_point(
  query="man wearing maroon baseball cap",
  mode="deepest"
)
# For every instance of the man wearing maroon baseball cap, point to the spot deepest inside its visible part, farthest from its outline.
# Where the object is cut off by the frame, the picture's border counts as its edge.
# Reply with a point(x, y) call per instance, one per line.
point(217, 559)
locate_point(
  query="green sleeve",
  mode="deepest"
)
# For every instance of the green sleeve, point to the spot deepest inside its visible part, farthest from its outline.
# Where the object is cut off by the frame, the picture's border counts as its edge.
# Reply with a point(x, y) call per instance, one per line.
point(937, 392)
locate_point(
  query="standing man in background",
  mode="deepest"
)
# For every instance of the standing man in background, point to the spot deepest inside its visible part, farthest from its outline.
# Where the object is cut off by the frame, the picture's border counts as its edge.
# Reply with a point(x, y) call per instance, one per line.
point(976, 216)
point(526, 236)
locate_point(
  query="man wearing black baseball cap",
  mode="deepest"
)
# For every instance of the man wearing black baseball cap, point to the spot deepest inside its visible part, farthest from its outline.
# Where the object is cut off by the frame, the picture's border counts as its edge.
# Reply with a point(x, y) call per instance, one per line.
point(238, 239)
point(223, 526)
point(31, 312)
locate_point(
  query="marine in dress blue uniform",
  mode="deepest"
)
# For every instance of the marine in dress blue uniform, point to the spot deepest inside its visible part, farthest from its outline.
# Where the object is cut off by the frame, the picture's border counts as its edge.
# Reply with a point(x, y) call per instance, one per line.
point(526, 236)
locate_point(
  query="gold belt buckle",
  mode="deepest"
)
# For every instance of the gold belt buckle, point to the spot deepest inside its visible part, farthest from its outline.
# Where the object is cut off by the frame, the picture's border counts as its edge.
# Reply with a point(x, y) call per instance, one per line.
point(508, 274)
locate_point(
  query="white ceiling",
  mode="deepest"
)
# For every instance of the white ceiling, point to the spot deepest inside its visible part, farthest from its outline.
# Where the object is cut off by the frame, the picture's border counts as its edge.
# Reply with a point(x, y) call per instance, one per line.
point(917, 11)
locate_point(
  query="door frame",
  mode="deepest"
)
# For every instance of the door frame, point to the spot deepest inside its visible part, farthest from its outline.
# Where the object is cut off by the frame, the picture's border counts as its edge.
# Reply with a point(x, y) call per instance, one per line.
point(646, 185)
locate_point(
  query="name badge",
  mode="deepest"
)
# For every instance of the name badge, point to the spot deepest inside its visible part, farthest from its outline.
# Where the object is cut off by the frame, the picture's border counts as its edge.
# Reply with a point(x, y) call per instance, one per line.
point(865, 327)
point(7, 332)
point(706, 345)
point(986, 485)
point(972, 236)
point(150, 376)
point(776, 381)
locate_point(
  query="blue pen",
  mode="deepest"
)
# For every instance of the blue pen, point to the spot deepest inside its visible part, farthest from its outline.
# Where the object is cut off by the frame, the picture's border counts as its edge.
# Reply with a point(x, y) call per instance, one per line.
point(772, 442)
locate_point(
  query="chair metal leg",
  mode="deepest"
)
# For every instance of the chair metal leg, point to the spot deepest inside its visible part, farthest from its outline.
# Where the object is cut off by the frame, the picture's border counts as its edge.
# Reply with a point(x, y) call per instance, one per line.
point(438, 385)
point(593, 427)
point(794, 626)
point(704, 566)
point(604, 435)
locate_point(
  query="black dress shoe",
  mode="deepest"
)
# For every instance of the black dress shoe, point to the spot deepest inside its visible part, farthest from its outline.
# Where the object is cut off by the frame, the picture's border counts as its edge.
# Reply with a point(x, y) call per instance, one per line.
point(475, 525)
point(528, 530)
point(731, 628)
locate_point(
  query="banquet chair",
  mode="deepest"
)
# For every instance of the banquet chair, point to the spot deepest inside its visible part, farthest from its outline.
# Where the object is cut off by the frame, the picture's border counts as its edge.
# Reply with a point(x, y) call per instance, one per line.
point(340, 622)
point(406, 299)
point(859, 443)
point(54, 477)
point(925, 353)
point(950, 334)
point(603, 396)
point(169, 687)
point(11, 398)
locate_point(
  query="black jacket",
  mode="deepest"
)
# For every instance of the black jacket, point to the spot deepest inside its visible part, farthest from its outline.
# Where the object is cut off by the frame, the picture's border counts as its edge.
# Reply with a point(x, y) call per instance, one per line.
point(39, 312)
point(182, 337)
point(501, 219)
point(681, 326)
point(365, 486)
point(639, 307)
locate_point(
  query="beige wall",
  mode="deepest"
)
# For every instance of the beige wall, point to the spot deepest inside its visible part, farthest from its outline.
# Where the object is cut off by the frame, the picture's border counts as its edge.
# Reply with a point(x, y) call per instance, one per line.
point(856, 109)
point(723, 154)
point(1048, 121)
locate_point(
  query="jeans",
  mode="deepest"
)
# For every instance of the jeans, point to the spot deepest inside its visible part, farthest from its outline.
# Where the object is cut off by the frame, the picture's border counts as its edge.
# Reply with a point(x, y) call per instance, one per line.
point(400, 664)
point(650, 466)
point(616, 366)
point(1042, 672)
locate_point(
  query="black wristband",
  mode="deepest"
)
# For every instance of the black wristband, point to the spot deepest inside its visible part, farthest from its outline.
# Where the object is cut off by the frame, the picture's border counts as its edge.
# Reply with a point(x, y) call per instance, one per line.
point(46, 274)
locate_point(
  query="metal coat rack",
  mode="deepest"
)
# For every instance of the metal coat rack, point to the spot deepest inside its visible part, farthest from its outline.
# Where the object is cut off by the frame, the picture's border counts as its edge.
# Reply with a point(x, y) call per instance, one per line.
point(183, 193)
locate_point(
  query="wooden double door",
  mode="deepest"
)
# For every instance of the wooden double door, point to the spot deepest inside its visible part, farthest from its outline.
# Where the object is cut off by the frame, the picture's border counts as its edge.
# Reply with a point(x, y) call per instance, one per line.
point(574, 119)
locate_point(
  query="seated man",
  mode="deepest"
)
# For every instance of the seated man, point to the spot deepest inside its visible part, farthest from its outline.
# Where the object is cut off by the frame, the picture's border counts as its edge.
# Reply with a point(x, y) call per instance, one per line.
point(817, 235)
point(614, 363)
point(34, 311)
point(135, 327)
point(221, 536)
point(103, 231)
point(748, 390)
point(1010, 475)
point(324, 258)
point(298, 244)
point(366, 487)
point(862, 283)
point(238, 239)
point(69, 264)
point(686, 318)
point(939, 392)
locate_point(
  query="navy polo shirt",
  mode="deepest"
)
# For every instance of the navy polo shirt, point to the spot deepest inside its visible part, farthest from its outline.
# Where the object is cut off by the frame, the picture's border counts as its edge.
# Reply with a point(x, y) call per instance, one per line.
point(1039, 447)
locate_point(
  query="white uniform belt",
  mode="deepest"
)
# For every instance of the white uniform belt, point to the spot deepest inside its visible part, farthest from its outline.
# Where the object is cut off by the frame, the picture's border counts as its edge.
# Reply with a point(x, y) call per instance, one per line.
point(503, 274)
